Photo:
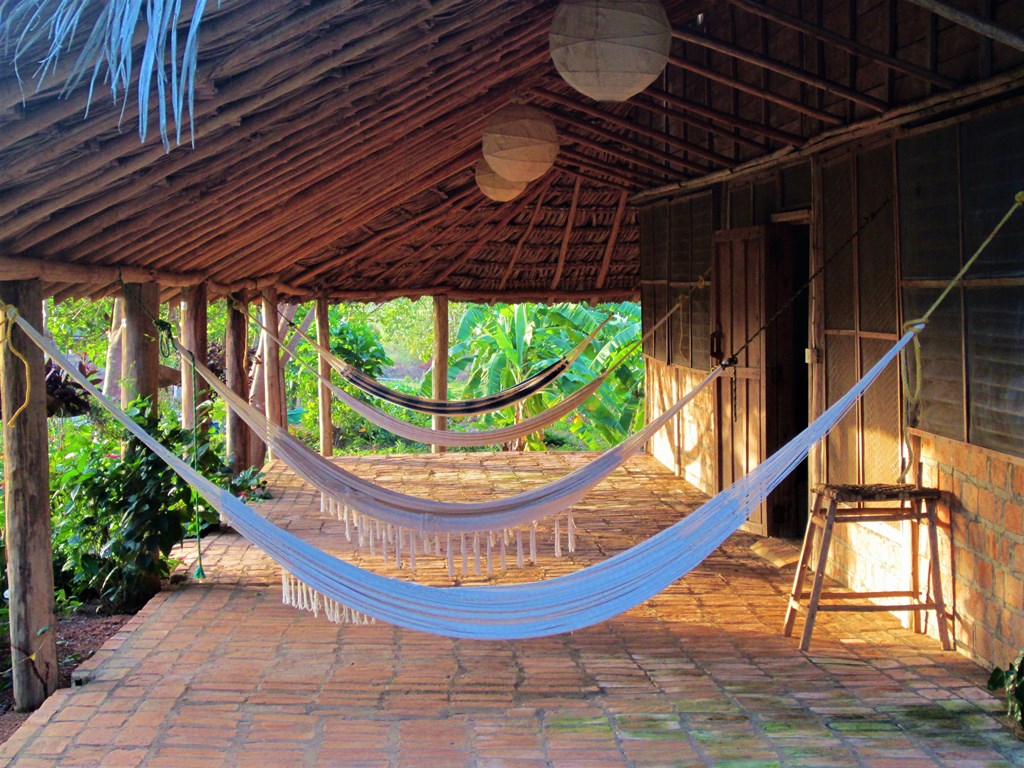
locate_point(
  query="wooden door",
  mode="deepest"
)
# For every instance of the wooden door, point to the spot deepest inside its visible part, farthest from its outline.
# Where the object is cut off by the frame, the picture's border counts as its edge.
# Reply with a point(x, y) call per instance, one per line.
point(737, 313)
point(760, 316)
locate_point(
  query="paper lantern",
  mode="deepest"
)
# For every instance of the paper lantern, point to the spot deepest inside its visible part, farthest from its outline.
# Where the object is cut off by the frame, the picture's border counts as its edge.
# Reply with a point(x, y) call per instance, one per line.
point(494, 186)
point(610, 50)
point(520, 143)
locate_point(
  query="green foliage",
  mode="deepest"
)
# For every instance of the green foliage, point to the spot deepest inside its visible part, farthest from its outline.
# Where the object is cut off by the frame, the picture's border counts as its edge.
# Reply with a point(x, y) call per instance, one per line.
point(1012, 681)
point(497, 347)
point(116, 517)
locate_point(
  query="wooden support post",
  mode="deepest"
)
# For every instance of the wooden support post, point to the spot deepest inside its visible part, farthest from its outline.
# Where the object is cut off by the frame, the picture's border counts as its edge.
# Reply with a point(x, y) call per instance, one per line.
point(271, 363)
point(140, 365)
point(323, 335)
point(235, 353)
point(194, 339)
point(27, 505)
point(440, 372)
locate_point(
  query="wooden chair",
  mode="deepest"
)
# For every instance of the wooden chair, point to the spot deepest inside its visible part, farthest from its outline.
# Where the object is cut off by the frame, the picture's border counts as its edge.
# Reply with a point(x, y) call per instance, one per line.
point(899, 502)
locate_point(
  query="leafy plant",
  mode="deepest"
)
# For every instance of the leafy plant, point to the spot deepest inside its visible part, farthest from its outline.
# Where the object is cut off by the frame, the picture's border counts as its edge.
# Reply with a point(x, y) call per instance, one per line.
point(1012, 681)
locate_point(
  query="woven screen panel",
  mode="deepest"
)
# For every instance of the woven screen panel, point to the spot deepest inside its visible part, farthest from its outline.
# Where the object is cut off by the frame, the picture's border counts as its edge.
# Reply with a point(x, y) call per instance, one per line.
point(837, 227)
point(995, 327)
point(992, 168)
point(881, 417)
point(843, 443)
point(941, 409)
point(876, 254)
point(929, 205)
point(796, 187)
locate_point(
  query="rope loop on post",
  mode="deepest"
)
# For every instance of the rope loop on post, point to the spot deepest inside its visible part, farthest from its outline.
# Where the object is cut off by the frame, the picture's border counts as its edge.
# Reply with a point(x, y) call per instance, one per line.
point(10, 313)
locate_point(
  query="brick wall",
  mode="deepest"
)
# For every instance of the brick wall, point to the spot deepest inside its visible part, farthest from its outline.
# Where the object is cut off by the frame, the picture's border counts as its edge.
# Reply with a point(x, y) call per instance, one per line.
point(986, 537)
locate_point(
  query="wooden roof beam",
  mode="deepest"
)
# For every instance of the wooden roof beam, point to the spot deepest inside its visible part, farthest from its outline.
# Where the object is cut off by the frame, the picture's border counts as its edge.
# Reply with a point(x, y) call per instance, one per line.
point(781, 68)
point(623, 141)
point(621, 176)
point(597, 146)
point(844, 43)
point(486, 297)
point(651, 133)
point(653, 107)
point(739, 85)
point(976, 24)
point(563, 252)
point(724, 118)
point(613, 237)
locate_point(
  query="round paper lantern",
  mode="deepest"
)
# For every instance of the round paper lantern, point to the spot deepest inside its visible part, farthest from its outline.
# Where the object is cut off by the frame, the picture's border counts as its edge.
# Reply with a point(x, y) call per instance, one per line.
point(610, 50)
point(494, 186)
point(520, 143)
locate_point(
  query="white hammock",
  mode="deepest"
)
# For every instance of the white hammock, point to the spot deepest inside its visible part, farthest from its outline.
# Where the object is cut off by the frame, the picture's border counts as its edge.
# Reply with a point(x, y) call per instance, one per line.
point(317, 580)
point(426, 515)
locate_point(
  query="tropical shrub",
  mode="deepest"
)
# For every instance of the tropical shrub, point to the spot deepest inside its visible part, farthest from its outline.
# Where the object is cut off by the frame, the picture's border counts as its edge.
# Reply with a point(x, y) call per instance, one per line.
point(1011, 681)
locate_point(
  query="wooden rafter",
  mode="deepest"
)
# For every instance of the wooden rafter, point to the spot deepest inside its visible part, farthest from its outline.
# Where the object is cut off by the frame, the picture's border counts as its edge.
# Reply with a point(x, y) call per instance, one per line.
point(974, 23)
point(563, 252)
point(613, 236)
point(537, 208)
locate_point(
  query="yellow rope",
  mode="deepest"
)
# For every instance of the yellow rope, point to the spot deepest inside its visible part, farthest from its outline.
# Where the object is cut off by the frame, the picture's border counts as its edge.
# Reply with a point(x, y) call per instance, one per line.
point(10, 313)
point(912, 389)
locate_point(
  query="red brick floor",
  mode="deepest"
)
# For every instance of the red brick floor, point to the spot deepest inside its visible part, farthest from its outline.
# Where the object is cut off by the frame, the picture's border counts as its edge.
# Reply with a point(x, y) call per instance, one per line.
point(221, 674)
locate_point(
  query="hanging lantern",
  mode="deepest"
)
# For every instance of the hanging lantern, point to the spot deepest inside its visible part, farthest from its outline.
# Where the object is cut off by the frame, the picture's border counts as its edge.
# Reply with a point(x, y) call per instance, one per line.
point(610, 50)
point(494, 186)
point(520, 143)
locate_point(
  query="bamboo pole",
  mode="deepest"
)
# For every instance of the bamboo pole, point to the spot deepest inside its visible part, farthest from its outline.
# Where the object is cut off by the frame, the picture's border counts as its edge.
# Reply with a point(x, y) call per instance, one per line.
point(33, 627)
point(323, 337)
point(439, 377)
point(510, 269)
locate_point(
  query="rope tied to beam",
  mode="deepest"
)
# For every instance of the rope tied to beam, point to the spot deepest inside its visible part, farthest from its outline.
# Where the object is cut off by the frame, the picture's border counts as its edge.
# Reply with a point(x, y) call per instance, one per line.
point(10, 314)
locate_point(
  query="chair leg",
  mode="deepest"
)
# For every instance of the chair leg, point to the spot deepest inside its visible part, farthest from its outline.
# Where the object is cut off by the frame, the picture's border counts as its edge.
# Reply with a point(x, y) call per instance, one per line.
point(801, 569)
point(940, 604)
point(819, 577)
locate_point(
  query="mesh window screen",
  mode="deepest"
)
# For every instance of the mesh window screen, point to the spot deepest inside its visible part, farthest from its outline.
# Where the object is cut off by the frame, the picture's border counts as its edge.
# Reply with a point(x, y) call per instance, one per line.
point(941, 409)
point(647, 316)
point(837, 215)
point(992, 168)
point(995, 327)
point(679, 267)
point(796, 187)
point(764, 202)
point(842, 442)
point(680, 328)
point(929, 205)
point(881, 415)
point(876, 257)
point(741, 208)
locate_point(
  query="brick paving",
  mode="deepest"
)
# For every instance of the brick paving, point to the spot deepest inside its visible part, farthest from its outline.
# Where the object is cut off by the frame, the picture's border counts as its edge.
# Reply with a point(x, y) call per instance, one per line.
point(221, 674)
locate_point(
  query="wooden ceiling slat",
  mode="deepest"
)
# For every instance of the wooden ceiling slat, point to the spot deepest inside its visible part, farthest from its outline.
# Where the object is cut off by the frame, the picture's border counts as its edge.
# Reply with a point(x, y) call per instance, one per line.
point(534, 216)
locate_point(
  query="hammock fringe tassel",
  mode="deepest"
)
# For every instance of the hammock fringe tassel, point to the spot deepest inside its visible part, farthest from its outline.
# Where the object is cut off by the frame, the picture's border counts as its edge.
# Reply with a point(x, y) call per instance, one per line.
point(300, 595)
point(400, 546)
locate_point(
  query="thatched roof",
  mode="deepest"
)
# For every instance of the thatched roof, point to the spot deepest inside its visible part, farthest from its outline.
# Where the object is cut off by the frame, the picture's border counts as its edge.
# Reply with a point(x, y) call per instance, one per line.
point(334, 142)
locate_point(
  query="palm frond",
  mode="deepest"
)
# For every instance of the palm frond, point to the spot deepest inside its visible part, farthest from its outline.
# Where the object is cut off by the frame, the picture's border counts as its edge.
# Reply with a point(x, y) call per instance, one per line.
point(162, 68)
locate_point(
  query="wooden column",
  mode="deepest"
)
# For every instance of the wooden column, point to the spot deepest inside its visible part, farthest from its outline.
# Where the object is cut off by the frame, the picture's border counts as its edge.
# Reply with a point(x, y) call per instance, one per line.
point(323, 335)
point(27, 505)
point(140, 363)
point(194, 339)
point(440, 371)
point(235, 353)
point(271, 363)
